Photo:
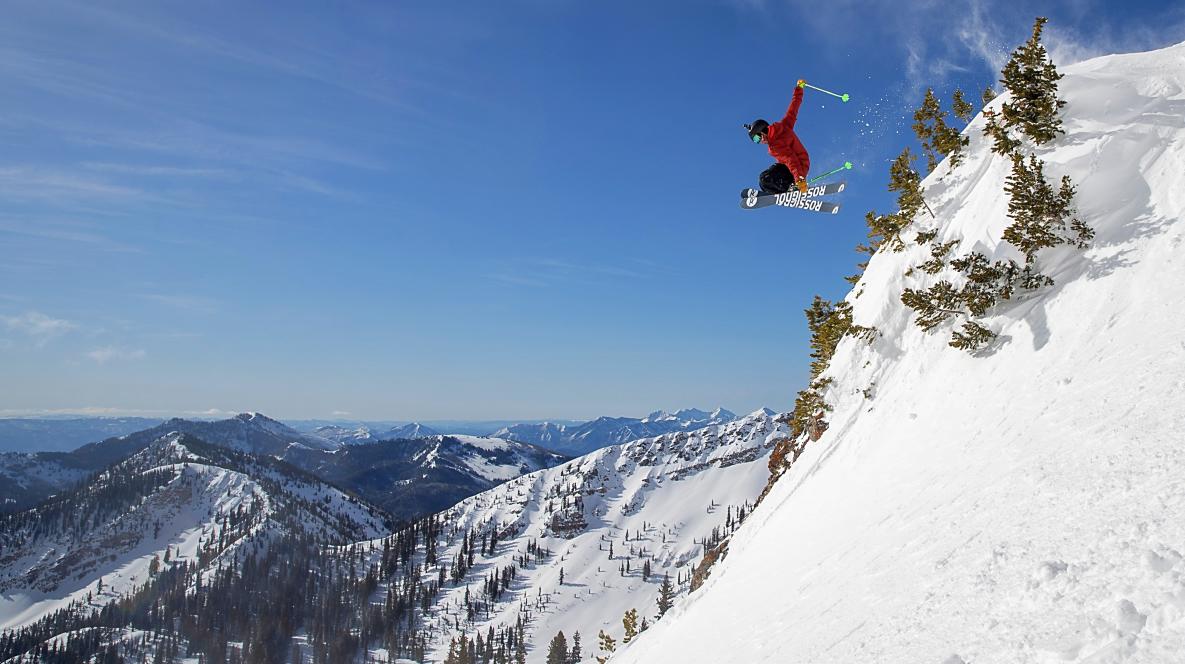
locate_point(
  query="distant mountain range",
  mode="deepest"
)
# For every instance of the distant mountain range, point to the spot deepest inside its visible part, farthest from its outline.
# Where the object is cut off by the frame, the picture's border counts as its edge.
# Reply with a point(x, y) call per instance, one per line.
point(580, 439)
point(408, 476)
point(409, 469)
point(363, 433)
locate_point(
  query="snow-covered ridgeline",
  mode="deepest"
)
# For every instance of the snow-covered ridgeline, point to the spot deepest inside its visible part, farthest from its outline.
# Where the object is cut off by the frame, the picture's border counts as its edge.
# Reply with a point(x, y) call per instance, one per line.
point(181, 503)
point(1022, 505)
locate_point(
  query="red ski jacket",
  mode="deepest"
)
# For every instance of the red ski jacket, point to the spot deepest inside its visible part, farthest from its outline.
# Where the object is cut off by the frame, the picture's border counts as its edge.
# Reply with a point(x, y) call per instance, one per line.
point(784, 144)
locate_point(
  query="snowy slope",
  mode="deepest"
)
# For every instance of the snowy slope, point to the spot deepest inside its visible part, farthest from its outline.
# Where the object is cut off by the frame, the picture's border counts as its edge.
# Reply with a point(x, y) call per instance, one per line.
point(667, 493)
point(28, 478)
point(1023, 505)
point(345, 435)
point(409, 431)
point(584, 437)
point(414, 477)
point(178, 494)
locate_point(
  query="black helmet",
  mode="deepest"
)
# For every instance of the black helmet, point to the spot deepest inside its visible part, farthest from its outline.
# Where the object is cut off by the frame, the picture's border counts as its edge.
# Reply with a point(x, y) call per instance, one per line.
point(756, 129)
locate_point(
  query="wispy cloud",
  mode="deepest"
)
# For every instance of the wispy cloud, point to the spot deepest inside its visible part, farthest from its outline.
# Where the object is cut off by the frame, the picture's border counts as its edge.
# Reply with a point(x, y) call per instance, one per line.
point(194, 303)
point(109, 353)
point(540, 272)
point(38, 326)
point(51, 184)
point(51, 228)
point(516, 279)
point(159, 170)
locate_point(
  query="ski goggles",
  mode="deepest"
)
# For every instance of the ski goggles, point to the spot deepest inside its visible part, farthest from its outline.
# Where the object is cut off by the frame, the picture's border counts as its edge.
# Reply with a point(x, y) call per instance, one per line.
point(756, 138)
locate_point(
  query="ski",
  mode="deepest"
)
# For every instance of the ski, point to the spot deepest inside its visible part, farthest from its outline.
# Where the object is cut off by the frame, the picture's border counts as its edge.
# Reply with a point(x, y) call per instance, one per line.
point(752, 198)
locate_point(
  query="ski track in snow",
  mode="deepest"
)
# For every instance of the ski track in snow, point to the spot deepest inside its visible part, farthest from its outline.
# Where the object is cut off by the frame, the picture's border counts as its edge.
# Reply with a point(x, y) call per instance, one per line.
point(1023, 505)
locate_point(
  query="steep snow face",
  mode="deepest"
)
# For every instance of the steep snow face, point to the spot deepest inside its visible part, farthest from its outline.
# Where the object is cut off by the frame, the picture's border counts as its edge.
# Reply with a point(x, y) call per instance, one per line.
point(1023, 505)
point(656, 499)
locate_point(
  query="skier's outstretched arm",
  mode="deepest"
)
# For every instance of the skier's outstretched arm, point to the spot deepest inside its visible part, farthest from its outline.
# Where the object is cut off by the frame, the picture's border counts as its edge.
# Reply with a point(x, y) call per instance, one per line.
point(792, 112)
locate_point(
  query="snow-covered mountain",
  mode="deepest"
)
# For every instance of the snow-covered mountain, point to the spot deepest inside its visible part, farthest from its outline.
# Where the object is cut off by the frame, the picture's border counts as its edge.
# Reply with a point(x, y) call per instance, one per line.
point(344, 435)
point(28, 478)
point(582, 438)
point(177, 501)
point(413, 477)
point(657, 502)
point(253, 433)
point(36, 476)
point(1022, 504)
point(363, 433)
point(409, 431)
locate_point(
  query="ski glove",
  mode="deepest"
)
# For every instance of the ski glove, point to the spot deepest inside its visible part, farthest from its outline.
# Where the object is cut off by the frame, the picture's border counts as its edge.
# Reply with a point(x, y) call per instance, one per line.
point(802, 82)
point(801, 184)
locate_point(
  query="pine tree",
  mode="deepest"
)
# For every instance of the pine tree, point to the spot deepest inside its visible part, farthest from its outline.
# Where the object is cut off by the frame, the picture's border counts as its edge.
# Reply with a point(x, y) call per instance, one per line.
point(1031, 79)
point(885, 230)
point(666, 596)
point(607, 646)
point(907, 184)
point(962, 108)
point(575, 655)
point(987, 95)
point(1041, 215)
point(933, 305)
point(936, 137)
point(1002, 142)
point(972, 337)
point(630, 622)
point(557, 652)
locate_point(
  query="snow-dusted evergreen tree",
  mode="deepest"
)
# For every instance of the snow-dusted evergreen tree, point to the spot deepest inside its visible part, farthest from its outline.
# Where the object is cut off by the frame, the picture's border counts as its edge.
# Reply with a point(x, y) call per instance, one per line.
point(828, 323)
point(1002, 142)
point(1031, 79)
point(934, 305)
point(607, 645)
point(1041, 216)
point(575, 655)
point(937, 138)
point(972, 337)
point(886, 229)
point(987, 95)
point(666, 596)
point(630, 623)
point(962, 108)
point(557, 651)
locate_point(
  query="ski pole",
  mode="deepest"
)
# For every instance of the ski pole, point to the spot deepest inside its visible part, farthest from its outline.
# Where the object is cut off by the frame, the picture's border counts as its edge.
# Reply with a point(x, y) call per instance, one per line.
point(847, 166)
point(843, 97)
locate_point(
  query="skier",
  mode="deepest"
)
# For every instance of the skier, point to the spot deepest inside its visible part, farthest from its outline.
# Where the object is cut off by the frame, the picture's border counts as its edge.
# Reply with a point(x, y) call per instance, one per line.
point(793, 160)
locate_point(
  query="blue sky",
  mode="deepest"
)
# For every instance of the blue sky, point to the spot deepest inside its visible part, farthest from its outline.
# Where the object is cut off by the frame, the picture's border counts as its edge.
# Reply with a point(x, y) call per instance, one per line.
point(419, 210)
